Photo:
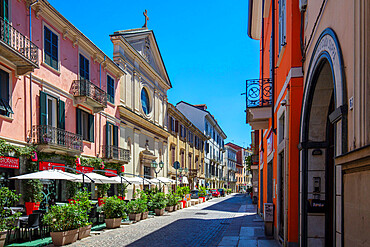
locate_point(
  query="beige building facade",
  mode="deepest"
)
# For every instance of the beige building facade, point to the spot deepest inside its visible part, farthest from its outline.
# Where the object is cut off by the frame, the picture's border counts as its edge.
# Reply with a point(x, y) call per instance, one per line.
point(335, 133)
point(185, 145)
point(143, 101)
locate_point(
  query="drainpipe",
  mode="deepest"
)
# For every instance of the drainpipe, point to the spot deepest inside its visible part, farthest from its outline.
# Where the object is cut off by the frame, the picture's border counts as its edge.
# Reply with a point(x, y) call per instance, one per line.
point(286, 170)
point(30, 32)
point(273, 65)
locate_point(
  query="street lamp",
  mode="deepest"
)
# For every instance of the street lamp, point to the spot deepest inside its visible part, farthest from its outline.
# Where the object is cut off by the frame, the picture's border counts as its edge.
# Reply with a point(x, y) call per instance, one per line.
point(154, 164)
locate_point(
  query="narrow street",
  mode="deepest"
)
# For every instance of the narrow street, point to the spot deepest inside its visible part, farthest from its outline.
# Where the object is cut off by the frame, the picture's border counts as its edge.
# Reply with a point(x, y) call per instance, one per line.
point(229, 221)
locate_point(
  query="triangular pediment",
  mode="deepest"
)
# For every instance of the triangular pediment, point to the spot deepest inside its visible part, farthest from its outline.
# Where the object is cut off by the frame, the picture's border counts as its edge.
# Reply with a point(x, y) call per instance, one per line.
point(144, 42)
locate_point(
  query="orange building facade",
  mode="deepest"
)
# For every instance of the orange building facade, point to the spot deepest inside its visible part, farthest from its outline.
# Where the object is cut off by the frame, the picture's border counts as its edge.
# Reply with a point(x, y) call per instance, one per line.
point(273, 111)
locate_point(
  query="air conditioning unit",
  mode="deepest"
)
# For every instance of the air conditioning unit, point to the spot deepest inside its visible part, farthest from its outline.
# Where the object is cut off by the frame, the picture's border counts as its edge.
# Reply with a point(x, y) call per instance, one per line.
point(302, 5)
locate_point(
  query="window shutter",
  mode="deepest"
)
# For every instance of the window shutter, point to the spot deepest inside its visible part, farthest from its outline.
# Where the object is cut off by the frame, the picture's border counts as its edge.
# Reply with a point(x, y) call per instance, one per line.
point(176, 126)
point(61, 114)
point(107, 134)
point(78, 122)
point(91, 128)
point(115, 136)
point(42, 108)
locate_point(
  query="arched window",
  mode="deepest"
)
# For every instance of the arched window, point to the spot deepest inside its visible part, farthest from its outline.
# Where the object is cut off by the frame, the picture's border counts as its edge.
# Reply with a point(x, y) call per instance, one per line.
point(145, 102)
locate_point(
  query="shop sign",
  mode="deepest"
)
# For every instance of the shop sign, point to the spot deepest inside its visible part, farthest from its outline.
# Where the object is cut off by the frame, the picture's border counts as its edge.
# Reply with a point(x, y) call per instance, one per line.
point(108, 174)
point(9, 162)
point(85, 169)
point(268, 212)
point(269, 143)
point(44, 165)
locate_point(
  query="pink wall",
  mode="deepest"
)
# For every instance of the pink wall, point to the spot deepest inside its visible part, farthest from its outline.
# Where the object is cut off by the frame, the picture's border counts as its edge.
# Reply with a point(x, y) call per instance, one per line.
point(18, 127)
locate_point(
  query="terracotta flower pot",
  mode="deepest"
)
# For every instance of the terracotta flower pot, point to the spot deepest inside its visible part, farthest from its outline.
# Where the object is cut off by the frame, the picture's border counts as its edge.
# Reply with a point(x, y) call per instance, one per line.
point(135, 217)
point(159, 212)
point(113, 223)
point(169, 209)
point(63, 238)
point(2, 238)
point(84, 232)
point(144, 215)
point(30, 206)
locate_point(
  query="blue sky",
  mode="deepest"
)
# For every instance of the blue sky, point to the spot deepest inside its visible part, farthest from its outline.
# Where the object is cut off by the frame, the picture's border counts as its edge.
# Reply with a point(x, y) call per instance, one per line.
point(204, 45)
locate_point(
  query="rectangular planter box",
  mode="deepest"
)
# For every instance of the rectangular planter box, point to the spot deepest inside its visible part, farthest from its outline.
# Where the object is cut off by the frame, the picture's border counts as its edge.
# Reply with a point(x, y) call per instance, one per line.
point(135, 217)
point(169, 209)
point(144, 215)
point(2, 238)
point(63, 238)
point(113, 223)
point(84, 232)
point(159, 212)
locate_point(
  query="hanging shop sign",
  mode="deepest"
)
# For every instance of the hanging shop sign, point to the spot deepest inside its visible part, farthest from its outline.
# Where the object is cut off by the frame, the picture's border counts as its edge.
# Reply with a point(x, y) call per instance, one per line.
point(44, 165)
point(85, 169)
point(109, 174)
point(9, 162)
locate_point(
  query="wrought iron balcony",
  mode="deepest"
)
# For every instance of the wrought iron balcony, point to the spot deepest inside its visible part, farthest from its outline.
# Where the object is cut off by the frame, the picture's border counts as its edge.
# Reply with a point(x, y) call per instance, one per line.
point(116, 154)
point(255, 159)
point(259, 92)
point(52, 139)
point(88, 94)
point(17, 48)
point(258, 102)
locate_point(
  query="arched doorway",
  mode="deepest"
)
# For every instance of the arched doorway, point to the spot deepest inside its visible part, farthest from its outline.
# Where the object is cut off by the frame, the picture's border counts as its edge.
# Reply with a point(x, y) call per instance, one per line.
point(323, 136)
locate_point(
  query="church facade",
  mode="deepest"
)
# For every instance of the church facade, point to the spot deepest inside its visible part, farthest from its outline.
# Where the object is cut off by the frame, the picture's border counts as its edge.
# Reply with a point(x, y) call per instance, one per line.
point(143, 101)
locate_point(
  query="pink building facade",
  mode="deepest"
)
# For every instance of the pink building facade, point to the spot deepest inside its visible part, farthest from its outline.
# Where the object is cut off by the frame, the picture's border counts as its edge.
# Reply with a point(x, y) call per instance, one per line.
point(58, 90)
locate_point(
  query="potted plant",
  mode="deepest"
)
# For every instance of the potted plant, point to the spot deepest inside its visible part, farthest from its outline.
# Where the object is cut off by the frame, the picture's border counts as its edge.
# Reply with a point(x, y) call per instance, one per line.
point(182, 192)
point(64, 222)
point(7, 220)
point(114, 211)
point(159, 203)
point(122, 190)
point(33, 195)
point(202, 193)
point(134, 210)
point(172, 201)
point(143, 201)
point(102, 193)
point(81, 199)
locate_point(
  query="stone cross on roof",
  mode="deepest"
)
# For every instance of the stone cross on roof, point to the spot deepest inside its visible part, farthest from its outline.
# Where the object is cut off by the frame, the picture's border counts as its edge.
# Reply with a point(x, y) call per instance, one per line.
point(146, 18)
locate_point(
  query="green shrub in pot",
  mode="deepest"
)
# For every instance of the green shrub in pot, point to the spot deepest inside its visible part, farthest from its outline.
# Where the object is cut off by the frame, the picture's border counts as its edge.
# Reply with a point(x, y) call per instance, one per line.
point(159, 202)
point(8, 220)
point(114, 210)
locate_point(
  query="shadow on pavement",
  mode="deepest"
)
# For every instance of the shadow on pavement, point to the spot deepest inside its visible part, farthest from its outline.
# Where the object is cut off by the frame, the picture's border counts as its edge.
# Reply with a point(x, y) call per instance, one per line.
point(231, 204)
point(187, 232)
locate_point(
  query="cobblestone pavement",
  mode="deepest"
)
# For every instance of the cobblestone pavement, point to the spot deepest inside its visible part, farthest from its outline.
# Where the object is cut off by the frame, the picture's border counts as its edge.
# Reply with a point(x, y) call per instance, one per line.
point(206, 224)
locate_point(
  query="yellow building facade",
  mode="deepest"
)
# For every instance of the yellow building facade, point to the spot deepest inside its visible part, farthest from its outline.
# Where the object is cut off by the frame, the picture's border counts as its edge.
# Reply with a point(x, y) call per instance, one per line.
point(185, 145)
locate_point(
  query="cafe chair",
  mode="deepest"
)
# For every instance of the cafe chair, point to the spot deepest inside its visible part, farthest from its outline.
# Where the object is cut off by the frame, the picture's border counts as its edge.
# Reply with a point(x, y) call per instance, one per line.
point(33, 223)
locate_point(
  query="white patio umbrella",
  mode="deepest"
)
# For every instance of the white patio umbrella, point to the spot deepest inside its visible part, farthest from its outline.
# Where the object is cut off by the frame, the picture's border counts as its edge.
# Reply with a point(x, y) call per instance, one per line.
point(166, 180)
point(48, 174)
point(132, 180)
point(98, 179)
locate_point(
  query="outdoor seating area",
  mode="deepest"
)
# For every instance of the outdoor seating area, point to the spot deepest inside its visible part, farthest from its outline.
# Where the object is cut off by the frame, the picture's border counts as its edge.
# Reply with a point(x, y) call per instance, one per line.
point(45, 224)
point(43, 219)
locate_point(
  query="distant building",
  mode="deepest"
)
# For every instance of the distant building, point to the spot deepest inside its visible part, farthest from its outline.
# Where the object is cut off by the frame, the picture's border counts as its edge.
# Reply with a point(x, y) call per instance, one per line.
point(214, 146)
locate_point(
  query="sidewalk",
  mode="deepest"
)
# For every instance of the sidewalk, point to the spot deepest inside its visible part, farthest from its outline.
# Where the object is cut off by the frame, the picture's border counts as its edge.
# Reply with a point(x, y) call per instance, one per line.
point(247, 229)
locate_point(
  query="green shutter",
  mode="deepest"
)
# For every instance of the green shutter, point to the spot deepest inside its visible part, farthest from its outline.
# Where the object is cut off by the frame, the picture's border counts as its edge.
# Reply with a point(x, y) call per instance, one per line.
point(78, 122)
point(115, 136)
point(91, 128)
point(43, 108)
point(61, 114)
point(107, 134)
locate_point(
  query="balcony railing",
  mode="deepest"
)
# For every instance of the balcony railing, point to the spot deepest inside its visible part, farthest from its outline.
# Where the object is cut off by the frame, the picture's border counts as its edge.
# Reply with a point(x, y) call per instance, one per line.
point(57, 138)
point(85, 88)
point(255, 159)
point(115, 153)
point(259, 93)
point(18, 42)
